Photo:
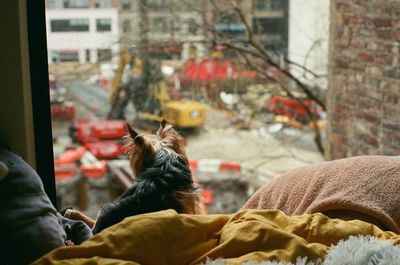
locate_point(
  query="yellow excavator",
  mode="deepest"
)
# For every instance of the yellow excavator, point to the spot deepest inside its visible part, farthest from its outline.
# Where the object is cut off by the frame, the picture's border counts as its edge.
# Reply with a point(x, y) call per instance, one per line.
point(149, 95)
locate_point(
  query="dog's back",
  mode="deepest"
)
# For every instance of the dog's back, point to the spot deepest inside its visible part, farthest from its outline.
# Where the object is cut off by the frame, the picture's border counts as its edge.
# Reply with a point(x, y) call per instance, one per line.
point(163, 179)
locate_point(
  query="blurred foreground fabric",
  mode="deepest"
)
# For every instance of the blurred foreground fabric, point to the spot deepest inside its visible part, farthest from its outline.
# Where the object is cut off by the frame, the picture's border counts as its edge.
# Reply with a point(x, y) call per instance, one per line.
point(251, 235)
point(362, 187)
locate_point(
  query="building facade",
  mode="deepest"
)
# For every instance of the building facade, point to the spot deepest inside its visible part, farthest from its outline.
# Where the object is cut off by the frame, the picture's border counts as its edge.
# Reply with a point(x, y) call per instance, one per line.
point(171, 25)
point(308, 40)
point(364, 78)
point(82, 31)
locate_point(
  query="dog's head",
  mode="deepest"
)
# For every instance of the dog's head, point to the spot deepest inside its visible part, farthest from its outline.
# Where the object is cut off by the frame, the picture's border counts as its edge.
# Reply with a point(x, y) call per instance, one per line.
point(142, 147)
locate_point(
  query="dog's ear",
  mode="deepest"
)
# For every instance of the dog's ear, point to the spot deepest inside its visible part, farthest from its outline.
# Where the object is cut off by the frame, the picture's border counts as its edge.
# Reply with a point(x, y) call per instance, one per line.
point(139, 140)
point(132, 133)
point(163, 124)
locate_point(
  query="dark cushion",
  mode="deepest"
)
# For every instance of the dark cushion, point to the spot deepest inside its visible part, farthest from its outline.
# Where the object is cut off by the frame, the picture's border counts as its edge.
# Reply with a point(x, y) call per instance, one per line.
point(29, 225)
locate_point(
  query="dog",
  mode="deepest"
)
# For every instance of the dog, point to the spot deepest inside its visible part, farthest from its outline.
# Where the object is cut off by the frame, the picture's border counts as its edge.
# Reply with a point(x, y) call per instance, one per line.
point(162, 178)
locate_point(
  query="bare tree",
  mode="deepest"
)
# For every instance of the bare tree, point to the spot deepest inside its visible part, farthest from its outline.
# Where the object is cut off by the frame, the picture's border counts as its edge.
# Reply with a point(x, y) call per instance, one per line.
point(251, 51)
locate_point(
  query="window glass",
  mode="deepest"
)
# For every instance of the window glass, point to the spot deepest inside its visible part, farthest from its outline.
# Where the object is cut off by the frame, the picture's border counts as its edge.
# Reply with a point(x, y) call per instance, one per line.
point(158, 4)
point(268, 5)
point(55, 4)
point(76, 3)
point(103, 24)
point(87, 55)
point(68, 56)
point(160, 24)
point(126, 26)
point(69, 25)
point(126, 4)
point(103, 3)
point(104, 55)
point(173, 59)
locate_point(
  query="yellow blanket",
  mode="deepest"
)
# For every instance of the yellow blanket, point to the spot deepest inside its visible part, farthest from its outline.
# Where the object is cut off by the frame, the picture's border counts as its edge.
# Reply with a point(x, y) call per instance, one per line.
point(169, 238)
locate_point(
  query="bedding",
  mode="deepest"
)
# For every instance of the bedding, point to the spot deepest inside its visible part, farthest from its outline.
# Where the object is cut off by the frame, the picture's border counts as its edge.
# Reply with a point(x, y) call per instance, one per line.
point(29, 223)
point(166, 237)
point(27, 215)
point(363, 187)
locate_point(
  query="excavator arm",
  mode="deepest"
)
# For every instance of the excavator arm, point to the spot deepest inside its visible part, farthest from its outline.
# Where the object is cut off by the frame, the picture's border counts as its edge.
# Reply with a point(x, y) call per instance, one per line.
point(124, 59)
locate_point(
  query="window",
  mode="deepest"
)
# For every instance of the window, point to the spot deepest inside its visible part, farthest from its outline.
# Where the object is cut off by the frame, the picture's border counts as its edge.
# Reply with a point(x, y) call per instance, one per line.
point(103, 3)
point(126, 26)
point(69, 25)
point(160, 25)
point(268, 25)
point(76, 3)
point(272, 32)
point(87, 55)
point(55, 4)
point(68, 56)
point(158, 4)
point(104, 55)
point(103, 24)
point(229, 24)
point(268, 5)
point(193, 26)
point(126, 4)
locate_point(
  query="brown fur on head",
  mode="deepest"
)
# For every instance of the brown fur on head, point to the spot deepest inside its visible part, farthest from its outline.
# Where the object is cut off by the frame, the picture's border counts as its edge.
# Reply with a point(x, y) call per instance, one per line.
point(141, 147)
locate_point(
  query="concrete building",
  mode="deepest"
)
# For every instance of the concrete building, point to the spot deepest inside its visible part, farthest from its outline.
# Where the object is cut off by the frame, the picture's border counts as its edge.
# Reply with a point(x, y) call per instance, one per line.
point(82, 31)
point(308, 40)
point(172, 26)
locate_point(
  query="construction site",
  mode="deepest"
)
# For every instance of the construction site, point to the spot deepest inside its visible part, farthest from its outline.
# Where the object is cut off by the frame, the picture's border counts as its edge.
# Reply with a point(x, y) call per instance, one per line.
point(244, 115)
point(239, 135)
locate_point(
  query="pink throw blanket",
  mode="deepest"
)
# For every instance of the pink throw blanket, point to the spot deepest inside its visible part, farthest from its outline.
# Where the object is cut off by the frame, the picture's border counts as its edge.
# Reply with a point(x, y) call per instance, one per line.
point(366, 185)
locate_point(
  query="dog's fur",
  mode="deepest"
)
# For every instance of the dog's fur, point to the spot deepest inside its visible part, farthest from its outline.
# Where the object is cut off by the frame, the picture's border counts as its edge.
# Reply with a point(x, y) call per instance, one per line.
point(163, 179)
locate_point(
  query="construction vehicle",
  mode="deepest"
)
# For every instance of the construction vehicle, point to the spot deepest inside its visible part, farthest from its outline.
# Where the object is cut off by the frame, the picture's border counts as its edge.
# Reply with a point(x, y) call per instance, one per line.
point(147, 91)
point(103, 138)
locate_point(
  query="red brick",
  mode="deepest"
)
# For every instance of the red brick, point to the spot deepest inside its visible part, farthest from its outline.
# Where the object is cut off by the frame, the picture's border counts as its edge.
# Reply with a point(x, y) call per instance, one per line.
point(382, 22)
point(366, 57)
point(342, 64)
point(365, 82)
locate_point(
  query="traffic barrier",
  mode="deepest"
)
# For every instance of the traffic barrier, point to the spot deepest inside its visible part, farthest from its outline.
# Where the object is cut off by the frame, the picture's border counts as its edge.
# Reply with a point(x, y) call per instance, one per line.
point(214, 165)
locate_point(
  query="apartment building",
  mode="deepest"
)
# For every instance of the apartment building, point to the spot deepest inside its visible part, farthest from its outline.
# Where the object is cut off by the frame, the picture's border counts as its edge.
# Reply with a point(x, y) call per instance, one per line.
point(84, 31)
point(270, 21)
point(172, 26)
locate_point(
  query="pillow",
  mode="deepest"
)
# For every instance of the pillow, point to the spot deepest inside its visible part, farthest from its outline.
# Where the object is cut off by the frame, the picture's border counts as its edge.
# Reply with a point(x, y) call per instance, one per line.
point(29, 223)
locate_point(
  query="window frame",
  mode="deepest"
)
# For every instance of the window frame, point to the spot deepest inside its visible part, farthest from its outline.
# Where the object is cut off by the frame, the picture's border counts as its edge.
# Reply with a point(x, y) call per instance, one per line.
point(39, 82)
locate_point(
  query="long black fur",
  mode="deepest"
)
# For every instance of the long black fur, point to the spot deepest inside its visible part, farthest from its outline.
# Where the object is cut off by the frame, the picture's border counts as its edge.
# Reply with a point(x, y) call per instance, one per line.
point(155, 189)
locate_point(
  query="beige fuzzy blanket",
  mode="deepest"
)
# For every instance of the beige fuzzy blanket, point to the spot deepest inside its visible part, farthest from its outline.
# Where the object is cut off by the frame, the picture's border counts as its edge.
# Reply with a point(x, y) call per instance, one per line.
point(364, 187)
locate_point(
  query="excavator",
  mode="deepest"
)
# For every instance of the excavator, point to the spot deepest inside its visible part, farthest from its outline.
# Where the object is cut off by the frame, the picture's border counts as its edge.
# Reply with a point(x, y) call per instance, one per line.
point(149, 94)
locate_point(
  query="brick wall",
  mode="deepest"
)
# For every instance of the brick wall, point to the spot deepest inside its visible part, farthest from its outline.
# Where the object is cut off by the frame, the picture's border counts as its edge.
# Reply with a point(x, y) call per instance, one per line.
point(364, 78)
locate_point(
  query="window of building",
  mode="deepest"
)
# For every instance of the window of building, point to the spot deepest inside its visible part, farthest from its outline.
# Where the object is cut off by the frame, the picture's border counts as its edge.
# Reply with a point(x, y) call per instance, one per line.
point(229, 24)
point(158, 4)
point(69, 25)
point(55, 4)
point(160, 25)
point(126, 4)
point(103, 24)
point(268, 25)
point(192, 26)
point(268, 5)
point(87, 55)
point(68, 56)
point(272, 32)
point(76, 3)
point(126, 26)
point(104, 55)
point(103, 3)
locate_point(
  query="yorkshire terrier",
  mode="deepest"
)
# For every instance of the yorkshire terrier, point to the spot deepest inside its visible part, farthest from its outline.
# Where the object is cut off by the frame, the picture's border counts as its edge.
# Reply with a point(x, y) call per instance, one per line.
point(163, 179)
